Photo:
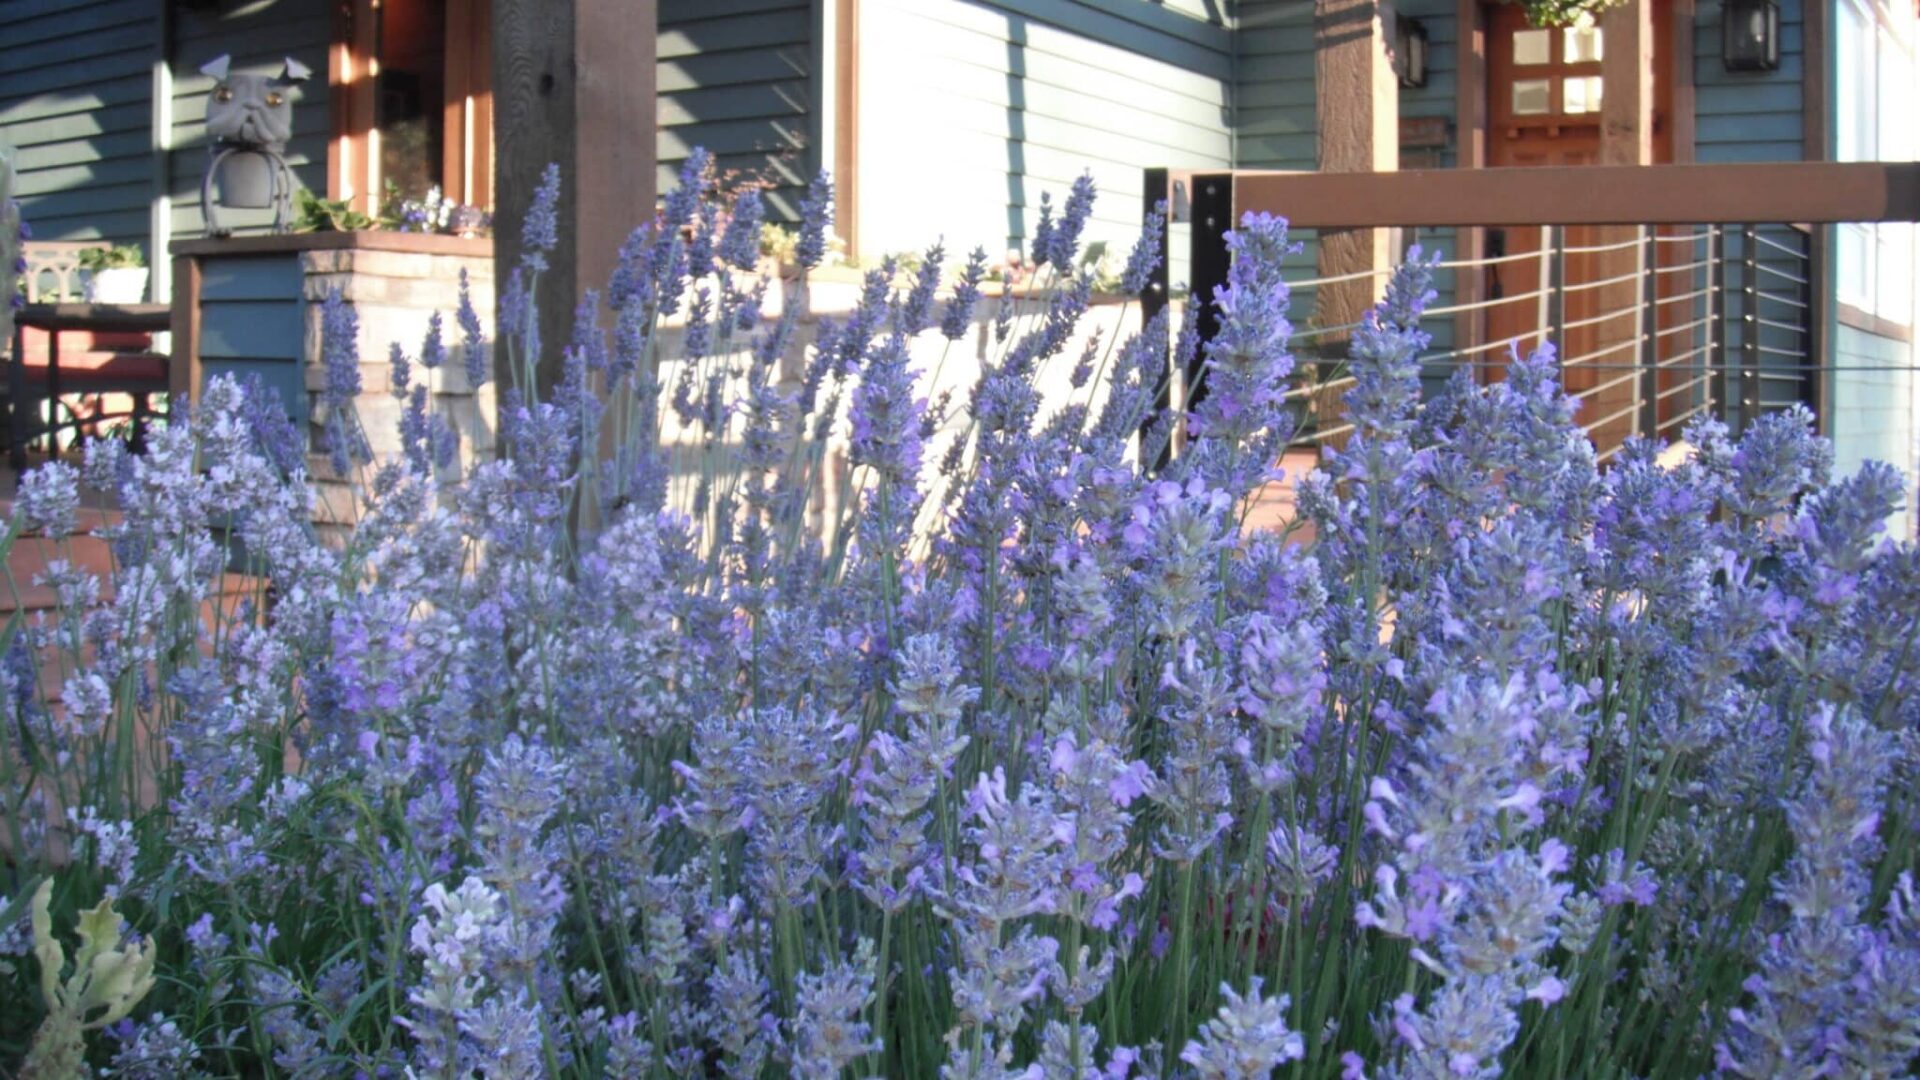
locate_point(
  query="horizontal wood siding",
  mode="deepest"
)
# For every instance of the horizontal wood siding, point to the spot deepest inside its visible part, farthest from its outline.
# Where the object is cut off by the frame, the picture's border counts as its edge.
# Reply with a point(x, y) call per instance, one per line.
point(1873, 402)
point(250, 323)
point(1274, 125)
point(1747, 116)
point(259, 36)
point(74, 107)
point(970, 110)
point(733, 78)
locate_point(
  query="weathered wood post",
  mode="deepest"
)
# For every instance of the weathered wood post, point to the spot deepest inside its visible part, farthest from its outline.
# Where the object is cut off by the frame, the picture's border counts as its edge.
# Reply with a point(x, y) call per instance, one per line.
point(573, 84)
point(1358, 131)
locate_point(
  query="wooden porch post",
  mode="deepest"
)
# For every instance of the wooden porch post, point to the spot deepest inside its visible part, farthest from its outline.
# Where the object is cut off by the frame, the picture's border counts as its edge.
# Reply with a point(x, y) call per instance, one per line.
point(1358, 114)
point(1626, 138)
point(573, 83)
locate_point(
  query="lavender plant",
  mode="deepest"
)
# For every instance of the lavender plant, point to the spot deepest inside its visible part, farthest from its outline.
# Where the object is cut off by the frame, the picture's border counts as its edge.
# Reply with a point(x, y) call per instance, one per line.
point(619, 756)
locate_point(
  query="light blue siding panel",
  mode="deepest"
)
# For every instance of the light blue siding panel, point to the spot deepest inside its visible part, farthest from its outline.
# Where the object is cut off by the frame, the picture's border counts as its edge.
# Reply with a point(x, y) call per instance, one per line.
point(991, 103)
point(73, 105)
point(1274, 123)
point(251, 328)
point(706, 71)
point(250, 279)
point(1872, 420)
point(733, 77)
point(735, 103)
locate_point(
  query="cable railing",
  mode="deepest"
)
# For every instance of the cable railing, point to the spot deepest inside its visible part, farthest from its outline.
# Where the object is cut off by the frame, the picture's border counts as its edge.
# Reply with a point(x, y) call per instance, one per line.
point(1668, 292)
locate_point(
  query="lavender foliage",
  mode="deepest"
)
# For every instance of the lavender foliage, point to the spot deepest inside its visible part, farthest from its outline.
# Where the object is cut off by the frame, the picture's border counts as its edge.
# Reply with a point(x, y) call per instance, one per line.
point(631, 753)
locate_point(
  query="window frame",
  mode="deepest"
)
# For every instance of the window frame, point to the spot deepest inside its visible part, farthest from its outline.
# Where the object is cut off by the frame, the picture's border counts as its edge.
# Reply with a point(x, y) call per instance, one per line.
point(353, 69)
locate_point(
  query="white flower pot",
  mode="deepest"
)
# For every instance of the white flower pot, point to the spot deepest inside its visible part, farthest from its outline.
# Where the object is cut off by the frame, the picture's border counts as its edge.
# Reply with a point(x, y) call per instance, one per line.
point(120, 285)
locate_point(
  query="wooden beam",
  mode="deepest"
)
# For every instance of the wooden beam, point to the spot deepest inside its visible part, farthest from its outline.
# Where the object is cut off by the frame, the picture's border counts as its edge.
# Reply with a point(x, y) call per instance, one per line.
point(573, 84)
point(1795, 191)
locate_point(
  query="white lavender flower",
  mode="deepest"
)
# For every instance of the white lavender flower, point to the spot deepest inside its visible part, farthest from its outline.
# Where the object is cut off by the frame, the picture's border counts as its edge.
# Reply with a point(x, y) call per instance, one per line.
point(49, 500)
point(1247, 1040)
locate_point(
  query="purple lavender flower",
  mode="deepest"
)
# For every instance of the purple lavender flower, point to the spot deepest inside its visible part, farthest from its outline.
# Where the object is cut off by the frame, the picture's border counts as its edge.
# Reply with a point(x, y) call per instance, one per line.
point(1063, 239)
point(740, 246)
point(1144, 259)
point(958, 317)
point(473, 350)
point(816, 217)
point(1249, 1038)
point(540, 232)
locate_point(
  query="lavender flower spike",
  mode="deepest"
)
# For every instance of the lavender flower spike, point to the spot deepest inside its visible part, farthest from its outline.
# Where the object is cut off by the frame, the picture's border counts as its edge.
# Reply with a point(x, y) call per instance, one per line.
point(1247, 1040)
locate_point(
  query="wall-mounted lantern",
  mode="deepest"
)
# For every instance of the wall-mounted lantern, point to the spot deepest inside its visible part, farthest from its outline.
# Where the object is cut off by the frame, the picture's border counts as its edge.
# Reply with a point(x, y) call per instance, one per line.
point(1410, 51)
point(1750, 35)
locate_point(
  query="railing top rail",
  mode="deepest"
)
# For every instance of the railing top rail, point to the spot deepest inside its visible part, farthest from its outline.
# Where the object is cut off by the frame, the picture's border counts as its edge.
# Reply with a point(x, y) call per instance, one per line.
point(1800, 192)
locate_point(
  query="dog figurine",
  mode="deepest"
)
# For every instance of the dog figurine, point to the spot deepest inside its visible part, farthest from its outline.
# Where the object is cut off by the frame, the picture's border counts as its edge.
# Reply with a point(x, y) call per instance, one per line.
point(249, 120)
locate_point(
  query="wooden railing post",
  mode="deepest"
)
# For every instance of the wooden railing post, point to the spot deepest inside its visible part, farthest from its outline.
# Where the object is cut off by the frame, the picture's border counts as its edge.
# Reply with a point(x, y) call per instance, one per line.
point(1647, 326)
point(1749, 325)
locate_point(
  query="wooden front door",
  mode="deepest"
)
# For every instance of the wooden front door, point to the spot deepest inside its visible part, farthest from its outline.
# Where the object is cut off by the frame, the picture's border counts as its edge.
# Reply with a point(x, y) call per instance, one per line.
point(1545, 90)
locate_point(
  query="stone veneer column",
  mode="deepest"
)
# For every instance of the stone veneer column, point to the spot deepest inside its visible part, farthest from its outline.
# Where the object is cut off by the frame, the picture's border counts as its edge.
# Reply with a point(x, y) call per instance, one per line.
point(395, 293)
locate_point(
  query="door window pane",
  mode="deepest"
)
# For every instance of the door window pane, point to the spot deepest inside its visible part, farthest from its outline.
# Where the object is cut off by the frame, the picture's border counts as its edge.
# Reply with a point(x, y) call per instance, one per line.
point(1533, 46)
point(1532, 97)
point(1581, 45)
point(1580, 94)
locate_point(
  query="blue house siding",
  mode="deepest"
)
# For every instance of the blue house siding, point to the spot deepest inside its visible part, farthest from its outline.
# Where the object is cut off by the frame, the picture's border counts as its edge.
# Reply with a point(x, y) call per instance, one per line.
point(734, 78)
point(76, 103)
point(1748, 116)
point(250, 323)
point(74, 107)
point(1274, 125)
point(970, 110)
point(259, 37)
point(1873, 401)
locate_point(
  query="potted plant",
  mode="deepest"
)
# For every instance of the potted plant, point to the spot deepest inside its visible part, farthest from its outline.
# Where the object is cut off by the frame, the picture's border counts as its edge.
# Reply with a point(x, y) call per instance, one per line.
point(115, 275)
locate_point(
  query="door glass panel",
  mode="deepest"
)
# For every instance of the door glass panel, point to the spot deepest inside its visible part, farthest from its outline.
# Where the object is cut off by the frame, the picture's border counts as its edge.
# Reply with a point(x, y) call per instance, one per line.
point(1581, 45)
point(1532, 97)
point(1533, 46)
point(1580, 94)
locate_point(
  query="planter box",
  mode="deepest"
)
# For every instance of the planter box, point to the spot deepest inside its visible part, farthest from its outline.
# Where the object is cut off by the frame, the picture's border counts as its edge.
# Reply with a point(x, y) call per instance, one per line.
point(252, 306)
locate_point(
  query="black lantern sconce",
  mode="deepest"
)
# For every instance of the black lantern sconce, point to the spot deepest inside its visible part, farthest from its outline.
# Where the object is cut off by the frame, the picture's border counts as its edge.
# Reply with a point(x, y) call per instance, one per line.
point(1750, 35)
point(1410, 49)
